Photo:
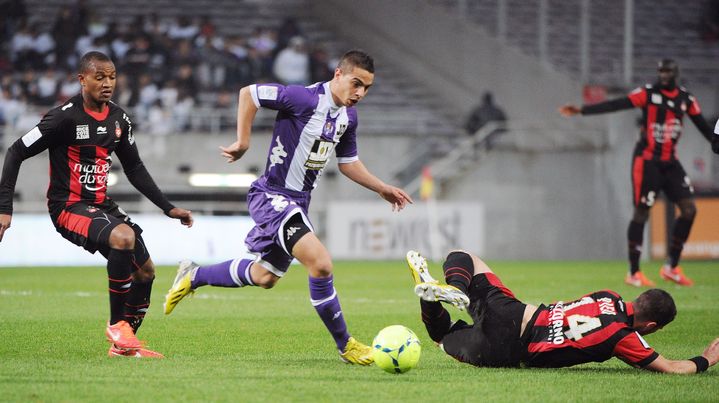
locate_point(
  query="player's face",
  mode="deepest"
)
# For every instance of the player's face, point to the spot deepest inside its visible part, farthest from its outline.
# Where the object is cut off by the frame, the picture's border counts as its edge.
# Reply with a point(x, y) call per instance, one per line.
point(667, 77)
point(352, 85)
point(98, 82)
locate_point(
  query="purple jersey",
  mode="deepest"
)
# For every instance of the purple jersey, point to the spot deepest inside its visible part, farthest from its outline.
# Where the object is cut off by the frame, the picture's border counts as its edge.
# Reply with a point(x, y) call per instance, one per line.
point(308, 127)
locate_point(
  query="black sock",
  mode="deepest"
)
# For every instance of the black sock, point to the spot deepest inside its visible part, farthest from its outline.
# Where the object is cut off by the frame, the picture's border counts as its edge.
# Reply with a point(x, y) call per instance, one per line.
point(635, 235)
point(138, 302)
point(119, 273)
point(680, 233)
point(436, 319)
point(458, 270)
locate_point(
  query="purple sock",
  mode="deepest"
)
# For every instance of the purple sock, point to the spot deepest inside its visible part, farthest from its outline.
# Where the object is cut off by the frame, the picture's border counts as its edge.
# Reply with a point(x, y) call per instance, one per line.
point(232, 273)
point(324, 298)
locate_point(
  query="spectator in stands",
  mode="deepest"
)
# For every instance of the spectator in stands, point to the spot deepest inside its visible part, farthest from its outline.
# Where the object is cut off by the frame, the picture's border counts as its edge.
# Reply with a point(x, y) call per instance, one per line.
point(292, 64)
point(264, 41)
point(484, 113)
point(47, 87)
point(183, 28)
point(14, 15)
point(320, 65)
point(65, 31)
point(69, 87)
point(288, 30)
point(186, 83)
point(137, 57)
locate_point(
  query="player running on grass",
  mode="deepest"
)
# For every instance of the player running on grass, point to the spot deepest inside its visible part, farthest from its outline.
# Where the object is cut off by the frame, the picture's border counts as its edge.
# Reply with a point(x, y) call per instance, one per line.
point(655, 167)
point(311, 123)
point(80, 136)
point(507, 332)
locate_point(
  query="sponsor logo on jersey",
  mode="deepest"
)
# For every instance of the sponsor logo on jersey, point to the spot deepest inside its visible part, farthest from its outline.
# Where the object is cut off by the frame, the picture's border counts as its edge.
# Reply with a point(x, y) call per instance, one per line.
point(606, 306)
point(278, 153)
point(82, 132)
point(319, 154)
point(657, 99)
point(683, 106)
point(118, 131)
point(667, 131)
point(31, 137)
point(670, 103)
point(101, 130)
point(91, 209)
point(93, 176)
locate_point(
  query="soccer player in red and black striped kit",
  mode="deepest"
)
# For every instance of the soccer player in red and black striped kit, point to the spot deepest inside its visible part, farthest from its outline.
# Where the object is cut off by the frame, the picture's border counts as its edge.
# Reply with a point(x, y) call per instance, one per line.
point(655, 167)
point(81, 135)
point(508, 333)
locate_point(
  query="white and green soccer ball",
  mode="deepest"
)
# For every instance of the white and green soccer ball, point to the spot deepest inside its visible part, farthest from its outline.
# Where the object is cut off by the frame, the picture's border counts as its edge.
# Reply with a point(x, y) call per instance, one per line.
point(396, 349)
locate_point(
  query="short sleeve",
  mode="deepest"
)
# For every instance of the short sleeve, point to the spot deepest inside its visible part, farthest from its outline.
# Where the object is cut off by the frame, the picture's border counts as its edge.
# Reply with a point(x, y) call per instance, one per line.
point(694, 108)
point(638, 97)
point(293, 99)
point(634, 350)
point(346, 150)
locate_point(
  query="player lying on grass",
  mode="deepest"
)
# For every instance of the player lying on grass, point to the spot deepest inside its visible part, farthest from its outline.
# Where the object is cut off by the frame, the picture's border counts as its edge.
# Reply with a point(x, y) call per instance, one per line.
point(506, 332)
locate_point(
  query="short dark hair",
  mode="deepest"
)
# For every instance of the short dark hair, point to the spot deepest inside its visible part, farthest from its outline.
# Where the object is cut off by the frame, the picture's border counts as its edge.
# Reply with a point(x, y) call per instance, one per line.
point(655, 305)
point(356, 58)
point(90, 57)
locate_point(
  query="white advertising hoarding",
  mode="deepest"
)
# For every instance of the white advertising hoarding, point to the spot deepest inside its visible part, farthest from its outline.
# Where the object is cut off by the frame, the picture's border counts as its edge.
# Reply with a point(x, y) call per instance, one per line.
point(371, 230)
point(33, 241)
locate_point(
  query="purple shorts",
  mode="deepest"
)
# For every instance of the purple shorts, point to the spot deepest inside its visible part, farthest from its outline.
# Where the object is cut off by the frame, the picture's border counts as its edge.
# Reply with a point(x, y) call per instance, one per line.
point(270, 208)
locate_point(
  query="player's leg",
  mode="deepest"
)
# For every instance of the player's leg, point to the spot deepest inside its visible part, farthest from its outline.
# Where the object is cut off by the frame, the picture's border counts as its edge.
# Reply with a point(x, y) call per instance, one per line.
point(645, 187)
point(680, 191)
point(120, 264)
point(307, 248)
point(429, 289)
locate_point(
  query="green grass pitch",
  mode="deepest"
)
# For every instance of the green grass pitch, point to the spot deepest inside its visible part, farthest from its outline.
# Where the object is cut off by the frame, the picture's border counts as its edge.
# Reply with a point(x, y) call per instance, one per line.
point(269, 345)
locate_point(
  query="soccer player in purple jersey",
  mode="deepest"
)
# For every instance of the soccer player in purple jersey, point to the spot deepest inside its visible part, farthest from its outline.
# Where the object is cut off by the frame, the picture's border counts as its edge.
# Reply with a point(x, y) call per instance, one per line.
point(80, 136)
point(311, 123)
point(507, 332)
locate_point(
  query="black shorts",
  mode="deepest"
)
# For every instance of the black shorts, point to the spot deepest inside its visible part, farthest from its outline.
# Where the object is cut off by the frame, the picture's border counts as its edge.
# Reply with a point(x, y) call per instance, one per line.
point(651, 177)
point(494, 338)
point(90, 225)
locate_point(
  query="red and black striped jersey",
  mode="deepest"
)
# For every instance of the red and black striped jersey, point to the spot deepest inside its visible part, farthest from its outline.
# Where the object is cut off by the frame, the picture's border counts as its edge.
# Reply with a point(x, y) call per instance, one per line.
point(662, 120)
point(80, 143)
point(595, 328)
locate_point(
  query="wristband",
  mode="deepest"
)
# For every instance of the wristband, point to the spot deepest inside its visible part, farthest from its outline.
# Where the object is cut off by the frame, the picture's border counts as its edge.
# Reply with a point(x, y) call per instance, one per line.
point(701, 363)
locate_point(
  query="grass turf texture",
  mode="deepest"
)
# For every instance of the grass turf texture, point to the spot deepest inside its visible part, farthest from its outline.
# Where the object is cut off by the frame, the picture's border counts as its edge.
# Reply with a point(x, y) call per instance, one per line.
point(269, 345)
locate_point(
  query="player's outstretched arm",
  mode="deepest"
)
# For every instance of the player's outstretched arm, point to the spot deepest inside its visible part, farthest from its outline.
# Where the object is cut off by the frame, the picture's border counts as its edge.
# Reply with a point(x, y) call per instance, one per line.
point(185, 216)
point(5, 221)
point(356, 171)
point(691, 366)
point(246, 112)
point(569, 110)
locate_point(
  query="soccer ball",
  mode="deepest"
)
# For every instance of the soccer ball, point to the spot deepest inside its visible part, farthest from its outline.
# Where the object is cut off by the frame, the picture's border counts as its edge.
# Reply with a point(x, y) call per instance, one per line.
point(396, 349)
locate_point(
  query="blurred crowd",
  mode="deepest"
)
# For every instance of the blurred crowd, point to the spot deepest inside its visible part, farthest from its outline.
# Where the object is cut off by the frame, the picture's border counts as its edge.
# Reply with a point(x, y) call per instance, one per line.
point(168, 69)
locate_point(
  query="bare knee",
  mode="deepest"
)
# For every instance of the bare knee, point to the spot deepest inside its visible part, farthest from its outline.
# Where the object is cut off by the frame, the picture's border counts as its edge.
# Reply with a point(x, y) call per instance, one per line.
point(122, 237)
point(262, 277)
point(320, 267)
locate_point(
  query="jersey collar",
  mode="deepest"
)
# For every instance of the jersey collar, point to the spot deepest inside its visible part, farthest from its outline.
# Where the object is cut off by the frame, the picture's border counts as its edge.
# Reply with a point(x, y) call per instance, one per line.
point(99, 116)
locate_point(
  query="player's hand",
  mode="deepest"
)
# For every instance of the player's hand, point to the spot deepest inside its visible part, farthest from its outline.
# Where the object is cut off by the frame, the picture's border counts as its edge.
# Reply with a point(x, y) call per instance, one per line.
point(233, 152)
point(569, 110)
point(5, 220)
point(712, 352)
point(185, 216)
point(398, 197)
